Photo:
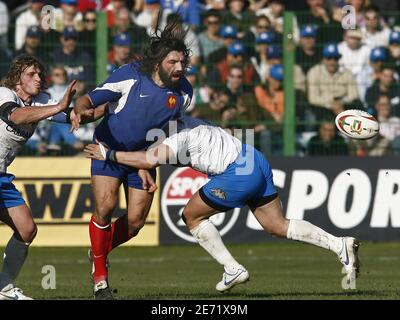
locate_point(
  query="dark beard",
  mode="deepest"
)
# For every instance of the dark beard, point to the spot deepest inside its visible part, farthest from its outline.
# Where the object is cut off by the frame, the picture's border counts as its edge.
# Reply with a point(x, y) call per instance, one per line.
point(166, 80)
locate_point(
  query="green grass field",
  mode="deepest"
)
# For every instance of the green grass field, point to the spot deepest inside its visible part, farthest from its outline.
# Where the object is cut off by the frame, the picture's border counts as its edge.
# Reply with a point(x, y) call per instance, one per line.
point(277, 271)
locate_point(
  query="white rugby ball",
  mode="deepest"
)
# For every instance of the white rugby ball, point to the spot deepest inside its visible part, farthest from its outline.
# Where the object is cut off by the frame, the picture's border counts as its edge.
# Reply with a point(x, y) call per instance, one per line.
point(357, 124)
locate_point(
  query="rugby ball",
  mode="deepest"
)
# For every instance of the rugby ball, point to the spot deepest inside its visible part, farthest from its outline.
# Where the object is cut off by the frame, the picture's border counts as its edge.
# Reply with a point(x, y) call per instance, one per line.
point(357, 124)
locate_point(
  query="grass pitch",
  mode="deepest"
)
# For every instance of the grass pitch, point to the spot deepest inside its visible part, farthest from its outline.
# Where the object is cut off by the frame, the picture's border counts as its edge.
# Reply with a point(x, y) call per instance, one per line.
point(283, 270)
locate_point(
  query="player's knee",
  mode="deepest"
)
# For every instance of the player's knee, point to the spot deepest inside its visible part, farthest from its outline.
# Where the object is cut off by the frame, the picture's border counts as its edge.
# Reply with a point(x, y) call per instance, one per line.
point(103, 212)
point(28, 233)
point(189, 218)
point(134, 226)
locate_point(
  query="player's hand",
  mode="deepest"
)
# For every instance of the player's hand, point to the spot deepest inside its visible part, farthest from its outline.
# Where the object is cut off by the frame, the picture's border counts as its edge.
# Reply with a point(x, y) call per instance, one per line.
point(72, 118)
point(93, 151)
point(76, 118)
point(147, 180)
point(69, 94)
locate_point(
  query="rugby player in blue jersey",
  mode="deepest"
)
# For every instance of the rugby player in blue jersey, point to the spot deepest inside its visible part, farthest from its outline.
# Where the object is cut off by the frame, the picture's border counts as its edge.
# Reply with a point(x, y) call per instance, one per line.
point(141, 96)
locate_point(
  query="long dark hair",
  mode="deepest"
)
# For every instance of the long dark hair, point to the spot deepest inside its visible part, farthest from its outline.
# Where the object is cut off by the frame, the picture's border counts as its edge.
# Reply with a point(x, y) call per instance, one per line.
point(18, 66)
point(172, 38)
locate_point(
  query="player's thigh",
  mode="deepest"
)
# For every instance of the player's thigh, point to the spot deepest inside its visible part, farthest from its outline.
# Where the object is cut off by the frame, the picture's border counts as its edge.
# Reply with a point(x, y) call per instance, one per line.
point(106, 192)
point(271, 217)
point(20, 220)
point(139, 204)
point(197, 210)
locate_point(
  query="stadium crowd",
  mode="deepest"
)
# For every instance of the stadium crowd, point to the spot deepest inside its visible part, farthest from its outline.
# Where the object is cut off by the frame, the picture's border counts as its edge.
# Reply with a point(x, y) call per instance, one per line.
point(236, 66)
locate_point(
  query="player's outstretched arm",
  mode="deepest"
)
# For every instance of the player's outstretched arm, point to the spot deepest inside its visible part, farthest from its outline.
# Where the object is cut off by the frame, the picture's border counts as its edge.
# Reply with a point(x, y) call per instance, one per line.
point(137, 159)
point(35, 114)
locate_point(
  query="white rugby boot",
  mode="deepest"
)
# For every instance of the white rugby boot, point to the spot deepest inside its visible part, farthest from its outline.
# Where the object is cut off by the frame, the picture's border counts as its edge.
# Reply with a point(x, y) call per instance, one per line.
point(11, 292)
point(231, 279)
point(348, 256)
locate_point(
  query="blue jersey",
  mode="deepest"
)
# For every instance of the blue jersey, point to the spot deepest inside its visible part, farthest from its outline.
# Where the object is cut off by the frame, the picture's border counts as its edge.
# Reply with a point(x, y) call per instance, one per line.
point(136, 105)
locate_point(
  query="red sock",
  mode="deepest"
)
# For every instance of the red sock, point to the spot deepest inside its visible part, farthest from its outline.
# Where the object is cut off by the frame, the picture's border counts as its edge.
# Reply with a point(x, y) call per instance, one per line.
point(100, 237)
point(119, 232)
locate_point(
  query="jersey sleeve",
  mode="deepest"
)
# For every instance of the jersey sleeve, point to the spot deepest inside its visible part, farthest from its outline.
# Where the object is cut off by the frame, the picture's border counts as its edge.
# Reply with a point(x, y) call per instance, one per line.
point(114, 87)
point(6, 95)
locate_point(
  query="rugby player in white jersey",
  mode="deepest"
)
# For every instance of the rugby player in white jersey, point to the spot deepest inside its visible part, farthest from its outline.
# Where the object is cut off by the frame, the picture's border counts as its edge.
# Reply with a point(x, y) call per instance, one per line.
point(239, 175)
point(23, 103)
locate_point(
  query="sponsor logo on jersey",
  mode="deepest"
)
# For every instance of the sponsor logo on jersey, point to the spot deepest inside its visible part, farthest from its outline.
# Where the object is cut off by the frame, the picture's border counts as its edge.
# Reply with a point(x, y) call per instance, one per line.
point(219, 193)
point(171, 101)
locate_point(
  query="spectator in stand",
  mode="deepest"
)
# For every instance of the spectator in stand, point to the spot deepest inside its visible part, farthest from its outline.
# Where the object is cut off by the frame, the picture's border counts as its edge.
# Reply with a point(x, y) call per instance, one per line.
point(120, 54)
point(238, 14)
point(327, 142)
point(354, 56)
point(359, 6)
point(377, 58)
point(188, 10)
point(112, 9)
point(124, 24)
point(236, 55)
point(262, 24)
point(59, 80)
point(209, 39)
point(384, 85)
point(215, 4)
point(229, 35)
point(259, 59)
point(275, 57)
point(71, 57)
point(148, 16)
point(319, 16)
point(256, 5)
point(271, 96)
point(375, 34)
point(68, 16)
point(32, 45)
point(394, 51)
point(330, 87)
point(86, 131)
point(217, 110)
point(59, 133)
point(389, 126)
point(274, 54)
point(87, 37)
point(377, 146)
point(235, 84)
point(389, 8)
point(307, 54)
point(26, 19)
point(274, 12)
point(201, 94)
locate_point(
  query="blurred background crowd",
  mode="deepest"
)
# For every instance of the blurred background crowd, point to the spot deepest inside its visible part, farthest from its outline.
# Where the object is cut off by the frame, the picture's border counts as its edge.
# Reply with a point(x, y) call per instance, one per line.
point(236, 67)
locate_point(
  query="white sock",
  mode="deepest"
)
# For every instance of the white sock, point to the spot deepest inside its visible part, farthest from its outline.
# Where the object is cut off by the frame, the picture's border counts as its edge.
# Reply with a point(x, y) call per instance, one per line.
point(209, 238)
point(304, 231)
point(14, 258)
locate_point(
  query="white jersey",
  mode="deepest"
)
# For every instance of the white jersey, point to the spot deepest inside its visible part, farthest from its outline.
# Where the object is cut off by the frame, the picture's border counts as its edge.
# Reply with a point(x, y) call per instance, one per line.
point(205, 148)
point(12, 136)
